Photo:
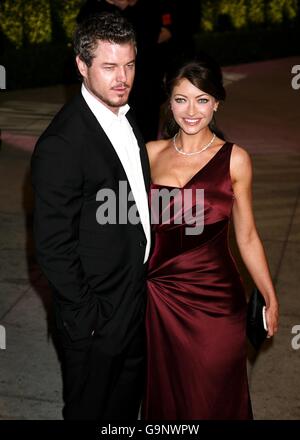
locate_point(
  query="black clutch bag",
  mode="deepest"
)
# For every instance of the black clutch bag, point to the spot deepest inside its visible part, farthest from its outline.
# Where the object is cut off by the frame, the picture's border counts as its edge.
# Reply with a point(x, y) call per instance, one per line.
point(255, 322)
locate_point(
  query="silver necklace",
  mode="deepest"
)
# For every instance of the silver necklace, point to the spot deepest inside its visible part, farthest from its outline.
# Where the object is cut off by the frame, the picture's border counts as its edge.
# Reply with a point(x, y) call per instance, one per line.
point(179, 150)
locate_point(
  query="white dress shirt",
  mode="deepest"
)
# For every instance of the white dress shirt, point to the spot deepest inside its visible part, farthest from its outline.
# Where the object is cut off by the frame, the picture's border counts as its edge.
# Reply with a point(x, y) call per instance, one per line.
point(120, 134)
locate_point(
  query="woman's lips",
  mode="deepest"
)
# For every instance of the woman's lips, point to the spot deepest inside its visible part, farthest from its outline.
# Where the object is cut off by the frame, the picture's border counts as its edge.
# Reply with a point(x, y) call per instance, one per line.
point(191, 121)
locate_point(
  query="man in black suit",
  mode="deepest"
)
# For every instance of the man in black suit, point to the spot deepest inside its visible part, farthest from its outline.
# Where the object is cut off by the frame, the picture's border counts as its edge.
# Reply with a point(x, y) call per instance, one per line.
point(90, 175)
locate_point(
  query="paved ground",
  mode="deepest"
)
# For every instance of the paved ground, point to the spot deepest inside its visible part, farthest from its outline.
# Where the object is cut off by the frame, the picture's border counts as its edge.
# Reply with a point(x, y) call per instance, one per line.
point(262, 114)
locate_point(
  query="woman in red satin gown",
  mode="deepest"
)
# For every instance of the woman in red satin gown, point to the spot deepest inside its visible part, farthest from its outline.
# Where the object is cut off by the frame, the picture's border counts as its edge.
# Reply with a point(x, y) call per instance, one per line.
point(196, 313)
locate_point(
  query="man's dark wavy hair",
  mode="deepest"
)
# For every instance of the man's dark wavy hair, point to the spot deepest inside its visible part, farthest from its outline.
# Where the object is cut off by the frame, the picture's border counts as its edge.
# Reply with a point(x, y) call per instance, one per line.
point(106, 26)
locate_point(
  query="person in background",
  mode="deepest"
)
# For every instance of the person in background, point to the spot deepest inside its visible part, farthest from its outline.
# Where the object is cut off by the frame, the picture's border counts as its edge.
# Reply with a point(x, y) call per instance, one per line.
point(145, 98)
point(180, 22)
point(91, 7)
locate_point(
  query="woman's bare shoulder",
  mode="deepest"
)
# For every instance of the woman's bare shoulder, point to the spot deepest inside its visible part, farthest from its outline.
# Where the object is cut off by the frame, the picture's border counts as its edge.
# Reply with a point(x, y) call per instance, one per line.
point(156, 147)
point(240, 162)
point(240, 155)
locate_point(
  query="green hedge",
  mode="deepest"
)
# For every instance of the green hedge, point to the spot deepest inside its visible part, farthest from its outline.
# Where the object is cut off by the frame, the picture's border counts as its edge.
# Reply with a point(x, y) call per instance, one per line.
point(240, 14)
point(35, 39)
point(26, 22)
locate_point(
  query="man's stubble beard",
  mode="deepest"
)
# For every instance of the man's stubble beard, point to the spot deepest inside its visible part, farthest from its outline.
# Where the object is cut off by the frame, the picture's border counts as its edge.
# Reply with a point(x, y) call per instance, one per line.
point(110, 103)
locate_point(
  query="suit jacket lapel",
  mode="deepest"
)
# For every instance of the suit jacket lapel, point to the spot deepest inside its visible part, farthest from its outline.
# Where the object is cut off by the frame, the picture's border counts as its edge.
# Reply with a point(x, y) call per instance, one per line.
point(95, 126)
point(100, 134)
point(92, 121)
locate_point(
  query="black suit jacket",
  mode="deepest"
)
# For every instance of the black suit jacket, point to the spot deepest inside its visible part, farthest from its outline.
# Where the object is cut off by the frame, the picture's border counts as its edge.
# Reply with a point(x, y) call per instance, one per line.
point(96, 271)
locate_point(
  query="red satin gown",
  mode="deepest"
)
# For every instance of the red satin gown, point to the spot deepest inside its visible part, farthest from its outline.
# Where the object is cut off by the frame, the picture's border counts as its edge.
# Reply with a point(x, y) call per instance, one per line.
point(196, 312)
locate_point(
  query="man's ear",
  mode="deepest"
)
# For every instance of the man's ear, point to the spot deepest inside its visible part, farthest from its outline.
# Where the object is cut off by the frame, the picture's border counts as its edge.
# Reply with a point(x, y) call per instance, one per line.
point(82, 67)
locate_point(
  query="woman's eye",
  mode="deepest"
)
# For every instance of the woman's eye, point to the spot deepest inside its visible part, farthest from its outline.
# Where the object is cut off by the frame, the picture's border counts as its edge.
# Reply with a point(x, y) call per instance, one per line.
point(203, 100)
point(179, 100)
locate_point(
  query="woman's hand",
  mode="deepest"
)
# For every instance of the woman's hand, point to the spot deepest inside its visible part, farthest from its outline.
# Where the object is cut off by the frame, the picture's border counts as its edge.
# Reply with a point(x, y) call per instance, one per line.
point(272, 318)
